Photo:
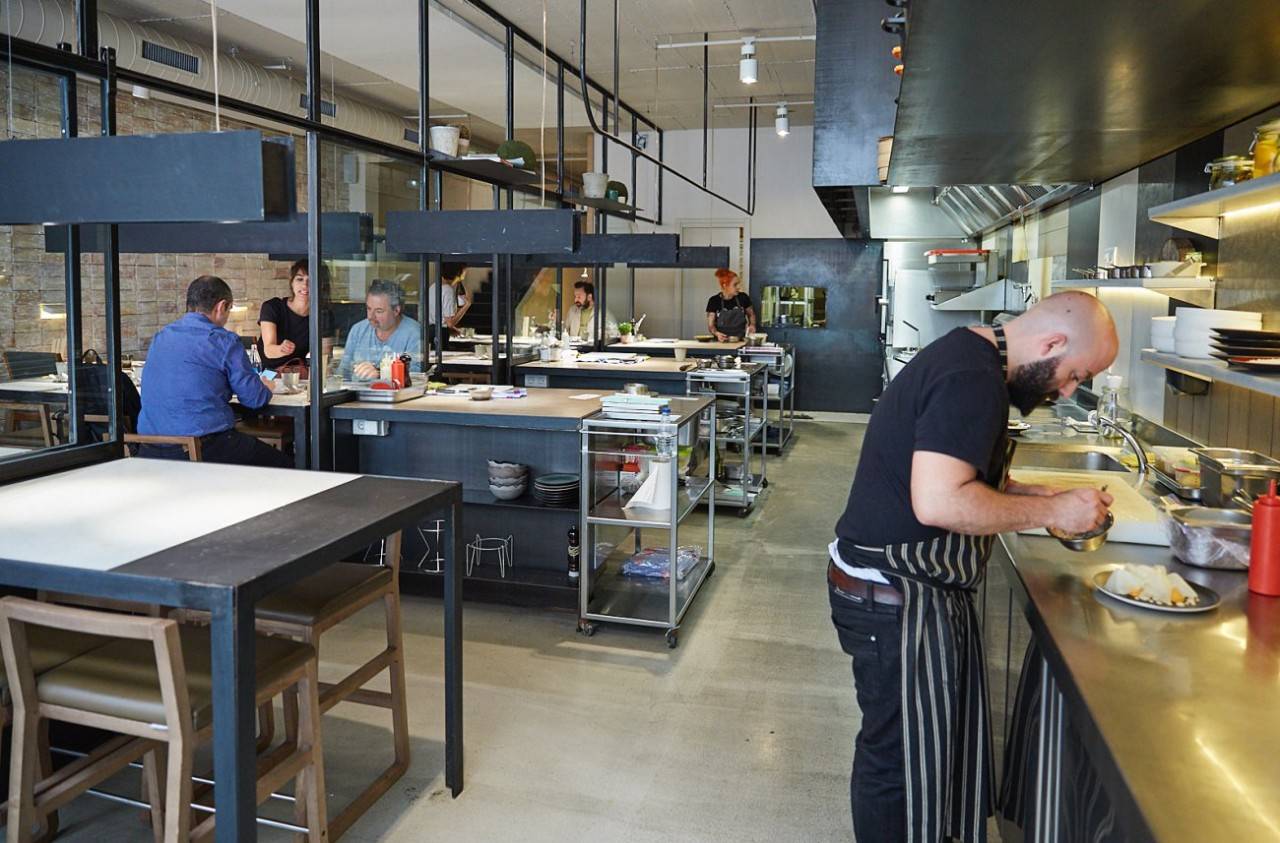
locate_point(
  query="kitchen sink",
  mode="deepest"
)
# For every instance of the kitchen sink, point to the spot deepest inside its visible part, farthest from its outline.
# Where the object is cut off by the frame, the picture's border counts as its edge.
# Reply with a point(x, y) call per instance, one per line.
point(1062, 458)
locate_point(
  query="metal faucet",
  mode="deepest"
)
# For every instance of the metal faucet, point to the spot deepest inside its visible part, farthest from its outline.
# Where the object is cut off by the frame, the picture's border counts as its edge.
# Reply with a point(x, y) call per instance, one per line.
point(1106, 422)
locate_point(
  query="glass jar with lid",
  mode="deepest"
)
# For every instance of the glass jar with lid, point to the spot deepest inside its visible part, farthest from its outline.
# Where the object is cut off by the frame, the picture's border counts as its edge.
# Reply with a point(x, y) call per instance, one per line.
point(1265, 147)
point(1229, 170)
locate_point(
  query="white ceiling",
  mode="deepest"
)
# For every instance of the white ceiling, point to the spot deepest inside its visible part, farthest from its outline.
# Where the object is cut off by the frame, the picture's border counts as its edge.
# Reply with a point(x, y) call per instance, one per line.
point(370, 52)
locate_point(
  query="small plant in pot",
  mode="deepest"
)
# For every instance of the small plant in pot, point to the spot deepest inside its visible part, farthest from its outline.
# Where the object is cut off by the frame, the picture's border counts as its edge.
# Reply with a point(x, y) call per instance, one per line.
point(464, 139)
point(616, 191)
point(518, 154)
point(625, 331)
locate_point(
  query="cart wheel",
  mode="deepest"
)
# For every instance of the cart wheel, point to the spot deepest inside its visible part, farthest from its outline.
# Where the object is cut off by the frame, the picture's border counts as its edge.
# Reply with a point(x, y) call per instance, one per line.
point(587, 628)
point(742, 513)
point(673, 639)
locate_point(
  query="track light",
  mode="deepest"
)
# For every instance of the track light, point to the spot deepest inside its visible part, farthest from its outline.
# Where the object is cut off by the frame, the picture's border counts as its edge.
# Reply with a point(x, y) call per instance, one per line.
point(901, 188)
point(748, 66)
point(782, 123)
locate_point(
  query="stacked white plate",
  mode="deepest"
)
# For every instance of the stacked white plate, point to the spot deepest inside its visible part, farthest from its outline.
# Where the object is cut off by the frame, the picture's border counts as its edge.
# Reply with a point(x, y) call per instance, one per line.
point(1162, 333)
point(1193, 332)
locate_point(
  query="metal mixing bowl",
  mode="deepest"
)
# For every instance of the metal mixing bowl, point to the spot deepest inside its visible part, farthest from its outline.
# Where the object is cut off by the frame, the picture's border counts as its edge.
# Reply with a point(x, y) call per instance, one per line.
point(1090, 541)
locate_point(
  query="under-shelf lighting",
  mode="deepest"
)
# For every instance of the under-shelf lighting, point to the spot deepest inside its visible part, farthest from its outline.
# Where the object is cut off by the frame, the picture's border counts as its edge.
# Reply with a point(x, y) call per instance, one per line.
point(901, 188)
point(748, 66)
point(782, 123)
point(53, 311)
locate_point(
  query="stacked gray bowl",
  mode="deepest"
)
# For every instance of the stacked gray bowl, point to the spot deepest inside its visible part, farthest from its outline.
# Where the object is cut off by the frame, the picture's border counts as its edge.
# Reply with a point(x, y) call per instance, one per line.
point(508, 480)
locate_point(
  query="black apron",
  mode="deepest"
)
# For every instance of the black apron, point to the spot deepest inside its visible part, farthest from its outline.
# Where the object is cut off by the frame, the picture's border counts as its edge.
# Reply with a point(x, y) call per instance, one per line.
point(731, 318)
point(946, 738)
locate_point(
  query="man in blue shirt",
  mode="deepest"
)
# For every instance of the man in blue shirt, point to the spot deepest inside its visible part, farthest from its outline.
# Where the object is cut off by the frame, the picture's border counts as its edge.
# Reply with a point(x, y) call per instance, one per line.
point(193, 367)
point(386, 330)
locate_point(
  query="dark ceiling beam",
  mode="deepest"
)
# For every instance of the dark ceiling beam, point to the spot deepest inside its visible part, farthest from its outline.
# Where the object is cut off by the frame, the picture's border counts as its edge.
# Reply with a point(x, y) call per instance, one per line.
point(463, 233)
point(342, 234)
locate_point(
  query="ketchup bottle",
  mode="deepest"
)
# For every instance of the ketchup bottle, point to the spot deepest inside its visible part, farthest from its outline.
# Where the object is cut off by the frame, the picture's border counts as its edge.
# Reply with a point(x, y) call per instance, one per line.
point(398, 371)
point(1264, 548)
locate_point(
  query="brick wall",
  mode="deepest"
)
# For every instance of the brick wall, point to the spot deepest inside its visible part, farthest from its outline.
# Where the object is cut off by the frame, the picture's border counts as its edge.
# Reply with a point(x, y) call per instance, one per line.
point(152, 287)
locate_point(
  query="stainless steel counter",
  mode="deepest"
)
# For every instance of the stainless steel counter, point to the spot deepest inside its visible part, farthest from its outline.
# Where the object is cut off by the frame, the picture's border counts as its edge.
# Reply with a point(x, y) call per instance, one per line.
point(1179, 715)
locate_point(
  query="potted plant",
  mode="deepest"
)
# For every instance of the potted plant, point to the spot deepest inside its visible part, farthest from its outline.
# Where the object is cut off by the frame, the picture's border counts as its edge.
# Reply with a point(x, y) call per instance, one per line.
point(624, 330)
point(617, 191)
point(464, 139)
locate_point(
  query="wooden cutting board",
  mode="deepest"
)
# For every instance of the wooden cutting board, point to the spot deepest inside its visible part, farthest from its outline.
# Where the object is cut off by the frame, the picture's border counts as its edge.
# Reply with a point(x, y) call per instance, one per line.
point(1138, 521)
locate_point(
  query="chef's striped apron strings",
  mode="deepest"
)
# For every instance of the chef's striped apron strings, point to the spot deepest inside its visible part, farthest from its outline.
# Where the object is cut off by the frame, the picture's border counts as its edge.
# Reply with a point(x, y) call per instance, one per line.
point(946, 729)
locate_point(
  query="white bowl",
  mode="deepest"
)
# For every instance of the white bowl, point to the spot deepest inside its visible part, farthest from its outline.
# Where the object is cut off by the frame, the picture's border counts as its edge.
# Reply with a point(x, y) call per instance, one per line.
point(508, 481)
point(1165, 344)
point(507, 470)
point(1194, 349)
point(507, 493)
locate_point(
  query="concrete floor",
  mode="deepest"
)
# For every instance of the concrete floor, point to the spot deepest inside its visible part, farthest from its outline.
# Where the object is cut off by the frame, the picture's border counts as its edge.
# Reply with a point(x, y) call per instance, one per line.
point(743, 733)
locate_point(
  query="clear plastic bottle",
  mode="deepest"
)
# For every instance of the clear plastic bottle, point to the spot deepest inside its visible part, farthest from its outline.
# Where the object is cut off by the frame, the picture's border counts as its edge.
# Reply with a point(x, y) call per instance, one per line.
point(1109, 402)
point(384, 368)
point(255, 359)
point(667, 436)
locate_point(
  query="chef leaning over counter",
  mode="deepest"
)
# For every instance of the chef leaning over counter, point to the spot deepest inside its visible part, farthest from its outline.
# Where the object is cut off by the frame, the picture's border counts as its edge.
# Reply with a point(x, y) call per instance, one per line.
point(930, 492)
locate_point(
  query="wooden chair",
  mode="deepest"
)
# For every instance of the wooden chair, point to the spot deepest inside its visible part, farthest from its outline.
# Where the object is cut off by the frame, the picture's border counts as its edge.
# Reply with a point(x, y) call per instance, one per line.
point(274, 431)
point(153, 682)
point(190, 443)
point(305, 610)
point(16, 413)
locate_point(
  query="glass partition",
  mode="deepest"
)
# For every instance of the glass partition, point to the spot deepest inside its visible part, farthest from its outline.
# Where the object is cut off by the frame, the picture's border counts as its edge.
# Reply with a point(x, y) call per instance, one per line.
point(793, 307)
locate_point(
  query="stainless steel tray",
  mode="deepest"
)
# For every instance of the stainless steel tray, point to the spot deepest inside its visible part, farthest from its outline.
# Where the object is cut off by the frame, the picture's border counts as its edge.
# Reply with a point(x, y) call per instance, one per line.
point(390, 396)
point(1186, 493)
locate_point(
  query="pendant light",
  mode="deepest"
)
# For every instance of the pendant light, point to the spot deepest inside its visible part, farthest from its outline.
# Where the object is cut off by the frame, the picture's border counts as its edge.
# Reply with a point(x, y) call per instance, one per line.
point(748, 67)
point(782, 123)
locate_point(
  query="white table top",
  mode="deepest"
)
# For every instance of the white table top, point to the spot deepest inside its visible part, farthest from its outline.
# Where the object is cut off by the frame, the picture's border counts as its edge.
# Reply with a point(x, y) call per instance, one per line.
point(7, 451)
point(109, 514)
point(34, 385)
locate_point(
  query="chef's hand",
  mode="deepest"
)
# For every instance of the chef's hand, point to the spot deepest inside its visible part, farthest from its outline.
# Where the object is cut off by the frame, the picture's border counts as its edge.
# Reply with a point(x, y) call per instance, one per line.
point(286, 348)
point(365, 371)
point(722, 337)
point(1080, 510)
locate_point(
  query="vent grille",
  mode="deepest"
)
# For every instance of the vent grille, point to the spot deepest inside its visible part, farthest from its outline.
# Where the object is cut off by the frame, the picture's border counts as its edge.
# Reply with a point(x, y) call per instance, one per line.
point(326, 108)
point(170, 57)
point(411, 135)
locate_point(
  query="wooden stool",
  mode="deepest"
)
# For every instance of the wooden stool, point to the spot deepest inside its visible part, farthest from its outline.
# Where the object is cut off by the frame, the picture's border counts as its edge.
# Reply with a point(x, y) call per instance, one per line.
point(275, 432)
point(191, 444)
point(154, 683)
point(305, 610)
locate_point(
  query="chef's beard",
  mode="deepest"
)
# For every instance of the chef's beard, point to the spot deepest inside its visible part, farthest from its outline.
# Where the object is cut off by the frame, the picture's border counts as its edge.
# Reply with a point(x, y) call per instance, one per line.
point(1032, 383)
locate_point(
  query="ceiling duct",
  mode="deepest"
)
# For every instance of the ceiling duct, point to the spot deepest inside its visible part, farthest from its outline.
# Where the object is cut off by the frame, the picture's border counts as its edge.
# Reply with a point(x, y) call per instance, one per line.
point(981, 208)
point(145, 50)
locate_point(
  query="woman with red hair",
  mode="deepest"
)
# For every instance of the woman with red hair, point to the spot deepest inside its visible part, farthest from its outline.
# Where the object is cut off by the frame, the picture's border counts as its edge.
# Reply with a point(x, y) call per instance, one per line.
point(730, 314)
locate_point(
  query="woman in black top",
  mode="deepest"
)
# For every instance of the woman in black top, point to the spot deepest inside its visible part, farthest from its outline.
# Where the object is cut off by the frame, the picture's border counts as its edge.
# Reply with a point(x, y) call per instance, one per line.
point(286, 335)
point(730, 312)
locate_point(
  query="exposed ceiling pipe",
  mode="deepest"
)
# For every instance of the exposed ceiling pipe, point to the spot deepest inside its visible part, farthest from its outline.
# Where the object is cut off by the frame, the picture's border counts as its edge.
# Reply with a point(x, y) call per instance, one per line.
point(749, 210)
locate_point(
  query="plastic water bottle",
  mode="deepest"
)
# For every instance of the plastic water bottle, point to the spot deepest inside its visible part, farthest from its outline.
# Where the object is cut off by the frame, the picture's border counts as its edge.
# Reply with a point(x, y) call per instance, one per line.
point(666, 438)
point(255, 359)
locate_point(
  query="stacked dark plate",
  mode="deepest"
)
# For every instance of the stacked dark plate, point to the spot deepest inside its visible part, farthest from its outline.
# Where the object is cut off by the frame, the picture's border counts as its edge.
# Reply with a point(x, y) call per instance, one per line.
point(1247, 348)
point(556, 489)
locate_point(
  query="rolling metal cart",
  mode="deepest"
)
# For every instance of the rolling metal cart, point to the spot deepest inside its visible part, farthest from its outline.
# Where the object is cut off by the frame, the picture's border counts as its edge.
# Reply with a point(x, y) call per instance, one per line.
point(780, 391)
point(741, 422)
point(605, 593)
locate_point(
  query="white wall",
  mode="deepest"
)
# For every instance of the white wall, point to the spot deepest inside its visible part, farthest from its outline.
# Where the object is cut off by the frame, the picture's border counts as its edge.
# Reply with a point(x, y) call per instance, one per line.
point(786, 206)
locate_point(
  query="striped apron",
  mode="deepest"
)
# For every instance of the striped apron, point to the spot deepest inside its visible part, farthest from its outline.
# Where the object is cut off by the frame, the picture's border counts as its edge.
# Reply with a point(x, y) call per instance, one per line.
point(946, 729)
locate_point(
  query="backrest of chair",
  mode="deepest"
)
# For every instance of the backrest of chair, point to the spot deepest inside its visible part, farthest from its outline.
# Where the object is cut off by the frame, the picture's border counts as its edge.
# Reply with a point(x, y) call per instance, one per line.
point(29, 364)
point(42, 413)
point(190, 443)
point(17, 613)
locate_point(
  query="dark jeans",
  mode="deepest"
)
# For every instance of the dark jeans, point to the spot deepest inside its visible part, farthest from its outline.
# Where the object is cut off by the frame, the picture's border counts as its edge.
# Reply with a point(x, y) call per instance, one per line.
point(229, 446)
point(871, 633)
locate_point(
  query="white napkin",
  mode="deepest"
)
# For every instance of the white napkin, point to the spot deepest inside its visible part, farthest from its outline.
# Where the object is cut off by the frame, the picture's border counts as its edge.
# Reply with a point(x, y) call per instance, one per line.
point(655, 492)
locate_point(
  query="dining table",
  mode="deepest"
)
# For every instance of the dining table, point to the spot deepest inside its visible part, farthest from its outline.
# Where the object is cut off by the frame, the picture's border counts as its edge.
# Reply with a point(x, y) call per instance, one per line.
point(218, 538)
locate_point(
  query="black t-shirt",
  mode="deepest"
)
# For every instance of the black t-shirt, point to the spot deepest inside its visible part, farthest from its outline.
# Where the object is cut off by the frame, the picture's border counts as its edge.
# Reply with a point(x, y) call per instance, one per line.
point(289, 326)
point(951, 399)
point(718, 302)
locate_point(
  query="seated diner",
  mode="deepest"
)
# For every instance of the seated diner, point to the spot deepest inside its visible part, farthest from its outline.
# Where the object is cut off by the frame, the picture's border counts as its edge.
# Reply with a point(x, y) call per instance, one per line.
point(284, 321)
point(386, 331)
point(193, 367)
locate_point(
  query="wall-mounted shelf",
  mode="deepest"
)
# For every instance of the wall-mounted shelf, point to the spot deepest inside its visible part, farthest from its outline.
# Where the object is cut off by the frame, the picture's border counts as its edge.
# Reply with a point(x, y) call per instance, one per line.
point(484, 169)
point(998, 295)
point(1197, 291)
point(1214, 370)
point(1203, 212)
point(609, 206)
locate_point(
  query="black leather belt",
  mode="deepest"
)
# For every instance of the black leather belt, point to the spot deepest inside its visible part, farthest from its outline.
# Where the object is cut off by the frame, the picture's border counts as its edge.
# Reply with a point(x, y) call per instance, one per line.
point(885, 595)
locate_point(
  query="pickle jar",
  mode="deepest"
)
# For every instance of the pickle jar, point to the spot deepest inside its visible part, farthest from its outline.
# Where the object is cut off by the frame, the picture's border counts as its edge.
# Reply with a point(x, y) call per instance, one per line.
point(1265, 147)
point(1228, 170)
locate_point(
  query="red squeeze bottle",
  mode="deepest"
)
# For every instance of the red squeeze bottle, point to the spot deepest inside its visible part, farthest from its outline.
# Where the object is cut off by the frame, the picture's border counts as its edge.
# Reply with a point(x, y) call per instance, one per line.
point(1264, 547)
point(397, 373)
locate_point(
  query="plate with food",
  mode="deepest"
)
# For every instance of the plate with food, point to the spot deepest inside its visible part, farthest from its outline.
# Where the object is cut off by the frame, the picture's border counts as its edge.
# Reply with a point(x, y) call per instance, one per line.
point(1155, 587)
point(1017, 427)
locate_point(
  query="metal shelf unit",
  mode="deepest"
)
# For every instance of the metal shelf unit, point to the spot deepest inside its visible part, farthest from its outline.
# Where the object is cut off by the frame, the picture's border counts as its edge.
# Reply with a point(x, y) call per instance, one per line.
point(746, 388)
point(605, 595)
point(779, 374)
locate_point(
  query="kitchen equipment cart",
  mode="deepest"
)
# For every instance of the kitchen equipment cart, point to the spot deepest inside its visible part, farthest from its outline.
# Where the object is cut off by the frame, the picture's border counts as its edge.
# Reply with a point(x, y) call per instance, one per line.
point(609, 445)
point(743, 420)
point(780, 390)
